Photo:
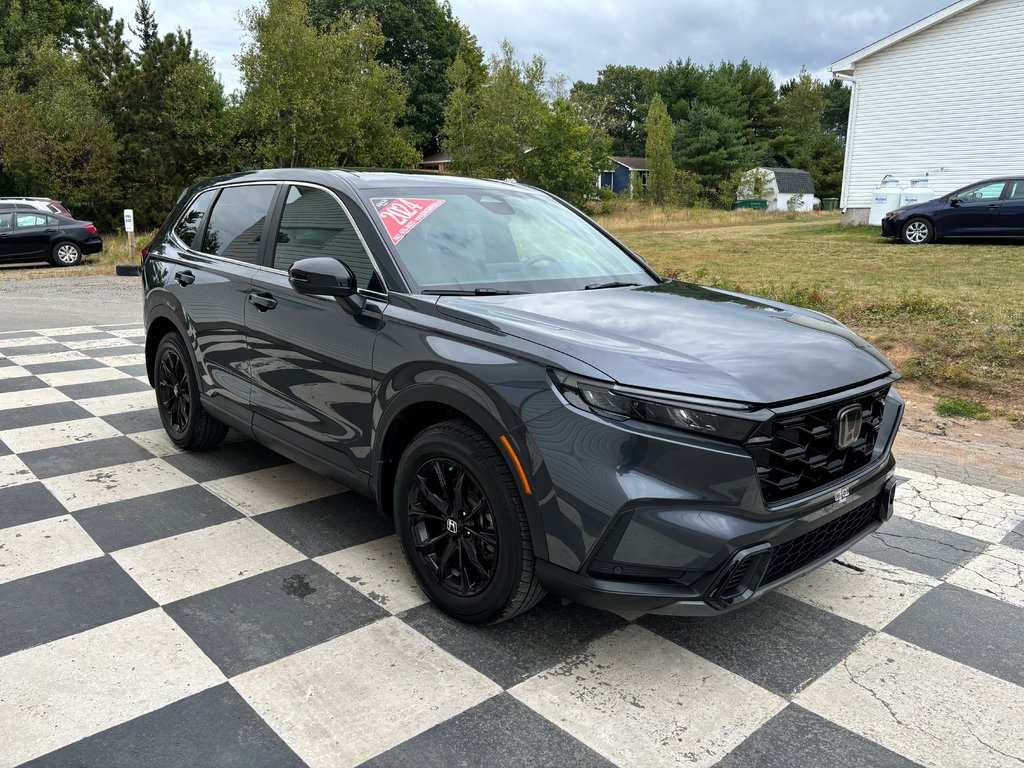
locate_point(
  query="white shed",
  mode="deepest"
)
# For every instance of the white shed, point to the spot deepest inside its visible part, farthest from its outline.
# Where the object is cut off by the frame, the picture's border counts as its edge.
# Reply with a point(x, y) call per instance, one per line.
point(942, 98)
point(781, 187)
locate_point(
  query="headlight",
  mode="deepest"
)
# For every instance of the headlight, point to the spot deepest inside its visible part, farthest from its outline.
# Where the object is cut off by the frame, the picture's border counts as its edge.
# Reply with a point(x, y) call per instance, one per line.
point(893, 214)
point(706, 417)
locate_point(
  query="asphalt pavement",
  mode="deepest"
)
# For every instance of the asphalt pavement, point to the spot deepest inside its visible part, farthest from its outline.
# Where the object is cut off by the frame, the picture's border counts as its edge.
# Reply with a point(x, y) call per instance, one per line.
point(75, 301)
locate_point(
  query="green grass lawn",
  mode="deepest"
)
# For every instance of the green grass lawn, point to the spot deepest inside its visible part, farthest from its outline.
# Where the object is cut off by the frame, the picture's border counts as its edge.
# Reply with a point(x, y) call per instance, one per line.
point(950, 316)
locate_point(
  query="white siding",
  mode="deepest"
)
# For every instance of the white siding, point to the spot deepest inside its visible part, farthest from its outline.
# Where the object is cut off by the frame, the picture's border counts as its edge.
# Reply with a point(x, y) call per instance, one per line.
point(948, 101)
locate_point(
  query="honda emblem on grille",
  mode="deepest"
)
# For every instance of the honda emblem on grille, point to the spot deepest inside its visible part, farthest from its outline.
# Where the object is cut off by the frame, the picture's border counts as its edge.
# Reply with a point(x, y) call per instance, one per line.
point(847, 427)
point(843, 493)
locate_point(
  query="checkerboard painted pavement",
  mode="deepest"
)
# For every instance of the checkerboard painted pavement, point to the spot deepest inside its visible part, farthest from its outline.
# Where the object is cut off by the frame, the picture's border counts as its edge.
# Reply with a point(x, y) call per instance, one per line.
point(233, 609)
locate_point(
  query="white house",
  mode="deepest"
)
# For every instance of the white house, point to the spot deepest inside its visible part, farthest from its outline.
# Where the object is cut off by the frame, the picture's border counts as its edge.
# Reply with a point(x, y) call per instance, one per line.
point(942, 98)
point(782, 187)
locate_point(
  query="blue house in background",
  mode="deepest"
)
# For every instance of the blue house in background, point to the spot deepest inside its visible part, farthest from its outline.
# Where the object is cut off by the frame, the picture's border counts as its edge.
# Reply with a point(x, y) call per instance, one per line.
point(617, 179)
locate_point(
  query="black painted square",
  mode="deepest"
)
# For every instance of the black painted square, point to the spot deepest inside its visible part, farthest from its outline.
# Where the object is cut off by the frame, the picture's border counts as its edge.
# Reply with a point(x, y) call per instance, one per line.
point(20, 384)
point(227, 460)
point(131, 422)
point(156, 516)
point(215, 727)
point(79, 457)
point(62, 366)
point(919, 547)
point(46, 606)
point(328, 524)
point(275, 614)
point(104, 388)
point(27, 503)
point(777, 642)
point(515, 650)
point(498, 732)
point(37, 415)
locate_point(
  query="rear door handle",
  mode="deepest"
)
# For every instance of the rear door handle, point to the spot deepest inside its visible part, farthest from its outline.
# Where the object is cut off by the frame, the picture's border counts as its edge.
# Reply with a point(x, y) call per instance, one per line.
point(184, 278)
point(262, 301)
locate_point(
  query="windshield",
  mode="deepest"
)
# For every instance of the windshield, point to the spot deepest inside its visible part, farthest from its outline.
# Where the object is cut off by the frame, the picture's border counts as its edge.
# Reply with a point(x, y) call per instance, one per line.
point(464, 239)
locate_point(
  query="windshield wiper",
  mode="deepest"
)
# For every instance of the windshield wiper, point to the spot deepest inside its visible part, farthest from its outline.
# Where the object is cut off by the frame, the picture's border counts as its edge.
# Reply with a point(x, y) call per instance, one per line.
point(473, 292)
point(598, 286)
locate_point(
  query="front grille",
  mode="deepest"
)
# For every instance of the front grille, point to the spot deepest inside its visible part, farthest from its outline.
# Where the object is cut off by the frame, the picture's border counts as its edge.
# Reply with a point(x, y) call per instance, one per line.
point(808, 547)
point(796, 453)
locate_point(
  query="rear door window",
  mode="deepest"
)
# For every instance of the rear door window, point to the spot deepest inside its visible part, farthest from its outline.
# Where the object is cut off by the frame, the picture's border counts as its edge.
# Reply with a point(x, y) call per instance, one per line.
point(5, 220)
point(235, 229)
point(25, 220)
point(188, 224)
point(314, 224)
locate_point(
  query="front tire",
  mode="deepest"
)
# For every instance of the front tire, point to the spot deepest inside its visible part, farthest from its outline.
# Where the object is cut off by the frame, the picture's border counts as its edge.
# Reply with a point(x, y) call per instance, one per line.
point(66, 254)
point(185, 420)
point(917, 232)
point(463, 526)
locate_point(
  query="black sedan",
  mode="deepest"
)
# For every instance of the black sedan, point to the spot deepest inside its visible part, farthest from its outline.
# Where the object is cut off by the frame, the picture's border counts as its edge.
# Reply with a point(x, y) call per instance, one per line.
point(987, 209)
point(38, 236)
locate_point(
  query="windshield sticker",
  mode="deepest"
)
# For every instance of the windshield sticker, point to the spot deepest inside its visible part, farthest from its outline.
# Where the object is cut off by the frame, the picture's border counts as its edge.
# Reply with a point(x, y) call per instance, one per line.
point(401, 214)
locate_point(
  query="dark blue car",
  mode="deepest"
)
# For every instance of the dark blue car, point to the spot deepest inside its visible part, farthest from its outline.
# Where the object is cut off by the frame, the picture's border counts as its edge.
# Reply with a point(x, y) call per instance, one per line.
point(987, 209)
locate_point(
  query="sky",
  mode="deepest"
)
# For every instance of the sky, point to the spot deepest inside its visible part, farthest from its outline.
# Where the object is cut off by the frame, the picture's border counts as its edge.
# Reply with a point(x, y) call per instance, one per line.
point(579, 37)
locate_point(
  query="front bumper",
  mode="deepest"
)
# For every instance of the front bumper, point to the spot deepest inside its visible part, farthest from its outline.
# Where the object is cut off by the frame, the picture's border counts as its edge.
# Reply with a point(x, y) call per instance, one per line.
point(772, 555)
point(891, 227)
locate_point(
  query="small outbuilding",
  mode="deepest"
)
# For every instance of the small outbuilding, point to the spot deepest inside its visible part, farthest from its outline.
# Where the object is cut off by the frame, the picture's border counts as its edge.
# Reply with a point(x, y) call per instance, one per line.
point(785, 189)
point(619, 178)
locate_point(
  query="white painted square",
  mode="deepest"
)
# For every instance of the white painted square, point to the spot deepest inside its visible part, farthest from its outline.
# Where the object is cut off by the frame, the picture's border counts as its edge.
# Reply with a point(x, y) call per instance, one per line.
point(118, 483)
point(127, 332)
point(965, 509)
point(108, 405)
point(179, 566)
point(85, 344)
point(23, 342)
point(13, 372)
point(873, 596)
point(123, 361)
point(377, 569)
point(71, 331)
point(640, 700)
point(156, 442)
point(26, 359)
point(61, 692)
point(29, 397)
point(268, 489)
point(924, 706)
point(14, 472)
point(997, 572)
point(340, 703)
point(87, 376)
point(42, 546)
point(25, 439)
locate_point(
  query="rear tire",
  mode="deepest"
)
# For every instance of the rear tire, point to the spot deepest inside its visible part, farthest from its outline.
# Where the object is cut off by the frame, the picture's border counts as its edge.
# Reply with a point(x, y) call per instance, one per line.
point(186, 422)
point(66, 254)
point(463, 526)
point(917, 232)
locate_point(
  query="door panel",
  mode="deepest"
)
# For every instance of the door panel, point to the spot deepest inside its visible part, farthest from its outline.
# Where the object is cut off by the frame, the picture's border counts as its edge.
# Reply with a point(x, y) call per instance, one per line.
point(311, 360)
point(1011, 215)
point(976, 214)
point(6, 234)
point(226, 231)
point(30, 238)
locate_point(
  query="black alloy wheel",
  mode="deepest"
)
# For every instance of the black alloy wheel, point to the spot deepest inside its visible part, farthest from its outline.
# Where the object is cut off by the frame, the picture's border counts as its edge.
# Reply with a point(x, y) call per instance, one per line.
point(452, 527)
point(460, 516)
point(186, 421)
point(174, 390)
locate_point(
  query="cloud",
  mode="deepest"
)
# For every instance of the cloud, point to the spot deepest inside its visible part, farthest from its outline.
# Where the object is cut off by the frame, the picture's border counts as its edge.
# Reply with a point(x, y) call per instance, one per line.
point(579, 37)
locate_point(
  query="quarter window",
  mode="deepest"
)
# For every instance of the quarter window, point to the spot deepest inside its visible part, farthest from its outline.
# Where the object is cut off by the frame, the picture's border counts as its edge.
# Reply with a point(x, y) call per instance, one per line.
point(236, 223)
point(5, 220)
point(188, 224)
point(312, 225)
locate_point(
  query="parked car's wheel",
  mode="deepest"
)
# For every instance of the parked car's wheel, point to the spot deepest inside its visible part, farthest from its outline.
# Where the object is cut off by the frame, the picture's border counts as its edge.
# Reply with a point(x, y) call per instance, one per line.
point(917, 232)
point(187, 423)
point(66, 254)
point(463, 526)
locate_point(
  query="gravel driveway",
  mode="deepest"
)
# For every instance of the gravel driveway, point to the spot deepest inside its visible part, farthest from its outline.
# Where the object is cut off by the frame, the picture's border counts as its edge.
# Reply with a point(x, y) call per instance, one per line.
point(54, 301)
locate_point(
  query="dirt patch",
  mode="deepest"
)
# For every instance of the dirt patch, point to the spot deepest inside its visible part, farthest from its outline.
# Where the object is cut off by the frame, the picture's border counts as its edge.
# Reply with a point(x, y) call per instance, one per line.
point(996, 446)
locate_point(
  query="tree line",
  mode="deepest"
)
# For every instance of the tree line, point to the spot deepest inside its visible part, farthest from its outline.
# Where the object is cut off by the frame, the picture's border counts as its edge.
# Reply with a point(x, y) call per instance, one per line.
point(102, 115)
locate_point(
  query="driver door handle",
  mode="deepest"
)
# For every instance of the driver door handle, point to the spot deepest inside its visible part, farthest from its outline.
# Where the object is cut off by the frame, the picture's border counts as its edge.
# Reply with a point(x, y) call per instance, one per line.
point(262, 301)
point(184, 278)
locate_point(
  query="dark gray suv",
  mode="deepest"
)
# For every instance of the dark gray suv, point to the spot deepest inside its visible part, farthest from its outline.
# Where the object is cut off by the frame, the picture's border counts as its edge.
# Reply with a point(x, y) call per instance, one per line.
point(534, 406)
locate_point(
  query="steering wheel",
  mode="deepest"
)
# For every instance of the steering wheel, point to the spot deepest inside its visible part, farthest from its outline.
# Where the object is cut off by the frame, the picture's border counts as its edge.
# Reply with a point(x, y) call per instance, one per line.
point(540, 258)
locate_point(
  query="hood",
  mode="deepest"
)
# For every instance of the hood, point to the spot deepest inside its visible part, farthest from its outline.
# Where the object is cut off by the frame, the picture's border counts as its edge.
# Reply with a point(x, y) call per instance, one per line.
point(683, 338)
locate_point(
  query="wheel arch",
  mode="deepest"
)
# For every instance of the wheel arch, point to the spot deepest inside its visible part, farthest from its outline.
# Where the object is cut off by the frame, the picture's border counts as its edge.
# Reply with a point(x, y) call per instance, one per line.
point(161, 323)
point(420, 406)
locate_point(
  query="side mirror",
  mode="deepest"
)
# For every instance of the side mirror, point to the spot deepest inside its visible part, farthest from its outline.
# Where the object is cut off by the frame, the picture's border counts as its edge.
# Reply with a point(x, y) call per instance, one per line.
point(954, 202)
point(322, 277)
point(327, 277)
